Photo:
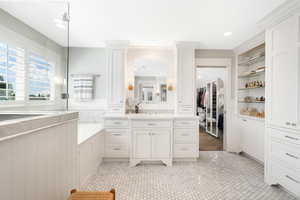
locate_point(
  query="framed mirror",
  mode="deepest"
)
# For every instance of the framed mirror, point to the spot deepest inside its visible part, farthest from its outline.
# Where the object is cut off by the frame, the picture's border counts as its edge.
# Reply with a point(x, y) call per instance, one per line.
point(149, 71)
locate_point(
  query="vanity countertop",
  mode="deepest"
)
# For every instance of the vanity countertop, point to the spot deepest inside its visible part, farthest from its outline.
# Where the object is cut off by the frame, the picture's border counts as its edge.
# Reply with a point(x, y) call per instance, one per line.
point(142, 116)
point(32, 120)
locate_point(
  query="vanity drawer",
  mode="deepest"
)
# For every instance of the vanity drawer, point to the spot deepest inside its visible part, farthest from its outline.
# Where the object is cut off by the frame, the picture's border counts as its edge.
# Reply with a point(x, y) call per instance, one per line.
point(151, 124)
point(185, 109)
point(116, 136)
point(185, 151)
point(285, 136)
point(287, 178)
point(116, 123)
point(185, 123)
point(184, 136)
point(287, 155)
point(116, 151)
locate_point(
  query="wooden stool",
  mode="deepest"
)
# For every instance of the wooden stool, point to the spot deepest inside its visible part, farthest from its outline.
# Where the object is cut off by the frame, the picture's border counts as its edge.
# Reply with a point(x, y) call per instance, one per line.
point(93, 195)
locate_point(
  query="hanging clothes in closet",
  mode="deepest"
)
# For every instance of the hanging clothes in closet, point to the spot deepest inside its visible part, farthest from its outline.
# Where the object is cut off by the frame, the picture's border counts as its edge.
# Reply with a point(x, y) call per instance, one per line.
point(201, 97)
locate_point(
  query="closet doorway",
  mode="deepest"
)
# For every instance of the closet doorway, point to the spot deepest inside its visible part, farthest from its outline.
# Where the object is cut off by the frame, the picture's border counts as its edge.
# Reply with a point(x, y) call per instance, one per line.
point(210, 86)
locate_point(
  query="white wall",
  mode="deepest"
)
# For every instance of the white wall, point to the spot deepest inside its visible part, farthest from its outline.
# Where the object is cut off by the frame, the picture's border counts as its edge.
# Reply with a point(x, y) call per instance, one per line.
point(89, 61)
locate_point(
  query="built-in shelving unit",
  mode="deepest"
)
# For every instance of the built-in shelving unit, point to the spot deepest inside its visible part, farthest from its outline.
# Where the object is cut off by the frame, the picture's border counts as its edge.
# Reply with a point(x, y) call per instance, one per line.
point(251, 83)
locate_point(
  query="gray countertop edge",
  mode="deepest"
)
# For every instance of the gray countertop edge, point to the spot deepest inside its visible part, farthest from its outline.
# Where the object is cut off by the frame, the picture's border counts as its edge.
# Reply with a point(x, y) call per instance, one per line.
point(11, 128)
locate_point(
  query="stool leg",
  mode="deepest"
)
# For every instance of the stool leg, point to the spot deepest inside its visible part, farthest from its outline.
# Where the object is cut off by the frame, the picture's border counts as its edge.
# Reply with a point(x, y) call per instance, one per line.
point(73, 191)
point(113, 191)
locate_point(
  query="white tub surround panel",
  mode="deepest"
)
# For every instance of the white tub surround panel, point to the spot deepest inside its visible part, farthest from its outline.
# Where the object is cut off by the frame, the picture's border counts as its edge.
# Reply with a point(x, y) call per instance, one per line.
point(282, 147)
point(91, 149)
point(39, 157)
point(151, 137)
point(116, 61)
point(185, 87)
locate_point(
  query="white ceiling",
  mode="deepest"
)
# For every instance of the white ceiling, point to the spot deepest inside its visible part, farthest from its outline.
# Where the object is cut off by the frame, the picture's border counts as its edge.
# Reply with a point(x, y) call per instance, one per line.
point(159, 22)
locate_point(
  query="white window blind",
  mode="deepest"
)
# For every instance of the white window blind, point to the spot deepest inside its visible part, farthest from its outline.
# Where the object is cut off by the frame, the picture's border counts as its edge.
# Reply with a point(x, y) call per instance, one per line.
point(12, 72)
point(40, 78)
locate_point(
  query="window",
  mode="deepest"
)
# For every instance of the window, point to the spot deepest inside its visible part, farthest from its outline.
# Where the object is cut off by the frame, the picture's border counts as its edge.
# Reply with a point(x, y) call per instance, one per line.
point(12, 66)
point(40, 74)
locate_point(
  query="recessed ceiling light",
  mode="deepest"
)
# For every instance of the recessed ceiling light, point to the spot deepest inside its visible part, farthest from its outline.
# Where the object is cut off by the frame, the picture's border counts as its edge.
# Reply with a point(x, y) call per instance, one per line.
point(226, 34)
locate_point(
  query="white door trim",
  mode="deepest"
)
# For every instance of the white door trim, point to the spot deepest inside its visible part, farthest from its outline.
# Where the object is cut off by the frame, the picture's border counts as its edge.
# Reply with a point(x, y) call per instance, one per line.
point(227, 64)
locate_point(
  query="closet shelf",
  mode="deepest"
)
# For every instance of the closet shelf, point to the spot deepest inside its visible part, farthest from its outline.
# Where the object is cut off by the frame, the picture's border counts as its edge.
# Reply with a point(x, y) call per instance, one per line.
point(251, 102)
point(254, 74)
point(253, 60)
point(251, 88)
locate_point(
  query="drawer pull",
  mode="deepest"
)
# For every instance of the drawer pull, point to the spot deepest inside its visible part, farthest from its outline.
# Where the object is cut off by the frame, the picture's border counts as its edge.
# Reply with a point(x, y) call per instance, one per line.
point(151, 124)
point(292, 138)
point(291, 155)
point(292, 179)
point(185, 134)
point(116, 149)
point(184, 149)
point(288, 123)
point(117, 123)
point(294, 124)
point(116, 134)
point(184, 123)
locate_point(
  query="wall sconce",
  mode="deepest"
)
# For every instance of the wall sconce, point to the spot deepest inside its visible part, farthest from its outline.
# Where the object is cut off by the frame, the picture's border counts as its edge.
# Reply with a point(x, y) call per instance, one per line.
point(170, 88)
point(130, 87)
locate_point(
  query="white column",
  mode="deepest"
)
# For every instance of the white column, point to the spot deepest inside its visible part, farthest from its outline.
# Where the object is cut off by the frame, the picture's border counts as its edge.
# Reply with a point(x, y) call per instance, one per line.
point(116, 61)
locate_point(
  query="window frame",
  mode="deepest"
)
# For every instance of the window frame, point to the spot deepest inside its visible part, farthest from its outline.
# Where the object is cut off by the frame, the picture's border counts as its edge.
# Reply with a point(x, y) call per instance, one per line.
point(14, 39)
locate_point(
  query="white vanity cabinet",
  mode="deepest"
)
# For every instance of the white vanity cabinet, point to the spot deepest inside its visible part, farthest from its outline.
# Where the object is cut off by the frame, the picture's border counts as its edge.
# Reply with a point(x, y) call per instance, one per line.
point(117, 138)
point(151, 141)
point(186, 138)
point(283, 86)
point(185, 104)
point(115, 58)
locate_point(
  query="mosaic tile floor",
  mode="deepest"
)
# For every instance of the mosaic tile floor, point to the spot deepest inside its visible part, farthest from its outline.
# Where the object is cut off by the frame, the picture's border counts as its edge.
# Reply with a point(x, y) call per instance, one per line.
point(215, 176)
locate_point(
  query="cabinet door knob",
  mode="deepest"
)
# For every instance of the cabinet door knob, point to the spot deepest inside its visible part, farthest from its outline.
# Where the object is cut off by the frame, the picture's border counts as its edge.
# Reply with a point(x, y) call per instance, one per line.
point(294, 124)
point(151, 124)
point(288, 123)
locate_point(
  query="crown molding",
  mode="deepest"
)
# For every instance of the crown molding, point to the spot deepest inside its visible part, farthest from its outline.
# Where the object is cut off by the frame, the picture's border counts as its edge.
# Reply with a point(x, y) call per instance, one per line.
point(188, 44)
point(284, 11)
point(117, 43)
point(251, 43)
